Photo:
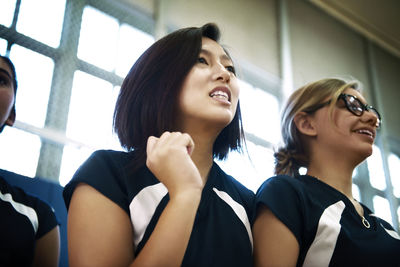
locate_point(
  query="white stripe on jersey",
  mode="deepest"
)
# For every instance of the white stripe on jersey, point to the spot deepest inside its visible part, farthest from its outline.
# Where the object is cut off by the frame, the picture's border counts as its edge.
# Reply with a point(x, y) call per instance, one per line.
point(392, 233)
point(321, 249)
point(238, 209)
point(142, 208)
point(22, 209)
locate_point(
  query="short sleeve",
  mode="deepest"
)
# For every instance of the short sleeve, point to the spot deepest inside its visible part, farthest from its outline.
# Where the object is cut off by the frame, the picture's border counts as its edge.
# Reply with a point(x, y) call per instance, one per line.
point(282, 195)
point(47, 218)
point(103, 171)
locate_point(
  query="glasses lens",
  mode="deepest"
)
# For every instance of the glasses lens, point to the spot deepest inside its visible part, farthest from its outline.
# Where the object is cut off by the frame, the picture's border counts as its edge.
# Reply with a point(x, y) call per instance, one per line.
point(354, 105)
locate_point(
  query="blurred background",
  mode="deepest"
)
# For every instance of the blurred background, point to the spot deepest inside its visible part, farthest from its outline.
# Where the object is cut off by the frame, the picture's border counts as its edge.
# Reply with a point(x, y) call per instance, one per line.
point(72, 55)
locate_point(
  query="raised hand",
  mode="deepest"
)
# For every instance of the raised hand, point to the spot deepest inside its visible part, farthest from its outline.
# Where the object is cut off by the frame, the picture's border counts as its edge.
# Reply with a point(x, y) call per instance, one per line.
point(168, 158)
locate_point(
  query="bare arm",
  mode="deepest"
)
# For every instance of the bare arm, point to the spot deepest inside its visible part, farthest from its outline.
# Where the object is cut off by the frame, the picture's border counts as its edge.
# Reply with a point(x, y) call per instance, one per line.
point(274, 244)
point(47, 250)
point(100, 232)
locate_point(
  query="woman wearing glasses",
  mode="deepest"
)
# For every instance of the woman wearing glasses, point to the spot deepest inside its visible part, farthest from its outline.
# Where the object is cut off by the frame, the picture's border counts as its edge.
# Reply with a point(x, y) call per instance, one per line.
point(313, 219)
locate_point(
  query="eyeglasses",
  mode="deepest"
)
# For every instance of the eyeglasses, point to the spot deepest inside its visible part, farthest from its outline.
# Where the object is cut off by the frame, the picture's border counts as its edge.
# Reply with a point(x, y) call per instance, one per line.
point(354, 105)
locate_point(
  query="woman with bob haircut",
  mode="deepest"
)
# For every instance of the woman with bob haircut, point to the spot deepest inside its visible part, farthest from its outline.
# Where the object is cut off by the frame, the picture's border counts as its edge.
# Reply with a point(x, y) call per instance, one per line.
point(29, 231)
point(165, 202)
point(313, 219)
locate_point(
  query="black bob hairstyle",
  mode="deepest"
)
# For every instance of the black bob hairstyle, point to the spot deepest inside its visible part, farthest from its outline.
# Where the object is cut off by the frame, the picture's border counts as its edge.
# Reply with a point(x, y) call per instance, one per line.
point(147, 102)
point(14, 81)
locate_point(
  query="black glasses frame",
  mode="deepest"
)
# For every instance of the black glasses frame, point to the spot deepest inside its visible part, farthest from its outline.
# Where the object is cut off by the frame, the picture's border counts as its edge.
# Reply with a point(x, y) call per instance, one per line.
point(353, 104)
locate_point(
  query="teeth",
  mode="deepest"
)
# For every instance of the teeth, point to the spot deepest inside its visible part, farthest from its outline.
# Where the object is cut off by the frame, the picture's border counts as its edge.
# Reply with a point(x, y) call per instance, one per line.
point(365, 132)
point(220, 94)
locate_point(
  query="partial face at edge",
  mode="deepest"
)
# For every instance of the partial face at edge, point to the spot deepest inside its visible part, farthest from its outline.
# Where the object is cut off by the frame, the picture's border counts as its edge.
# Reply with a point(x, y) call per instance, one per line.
point(210, 91)
point(7, 115)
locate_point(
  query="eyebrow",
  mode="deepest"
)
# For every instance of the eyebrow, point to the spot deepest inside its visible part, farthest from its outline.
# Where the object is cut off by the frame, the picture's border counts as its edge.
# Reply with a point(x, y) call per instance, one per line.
point(222, 57)
point(6, 73)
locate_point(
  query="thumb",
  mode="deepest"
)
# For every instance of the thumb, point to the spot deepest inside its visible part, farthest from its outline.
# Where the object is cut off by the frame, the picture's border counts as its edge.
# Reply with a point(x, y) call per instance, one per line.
point(151, 142)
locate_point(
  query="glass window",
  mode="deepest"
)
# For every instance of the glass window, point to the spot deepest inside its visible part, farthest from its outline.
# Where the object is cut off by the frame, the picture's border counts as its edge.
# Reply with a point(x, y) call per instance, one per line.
point(394, 167)
point(3, 46)
point(42, 20)
point(260, 112)
point(91, 111)
point(7, 8)
point(98, 38)
point(19, 151)
point(132, 43)
point(382, 208)
point(375, 168)
point(33, 86)
point(250, 169)
point(72, 159)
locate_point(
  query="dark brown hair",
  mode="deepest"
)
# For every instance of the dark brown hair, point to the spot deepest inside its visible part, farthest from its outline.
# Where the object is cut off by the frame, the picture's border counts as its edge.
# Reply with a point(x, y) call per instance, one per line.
point(147, 103)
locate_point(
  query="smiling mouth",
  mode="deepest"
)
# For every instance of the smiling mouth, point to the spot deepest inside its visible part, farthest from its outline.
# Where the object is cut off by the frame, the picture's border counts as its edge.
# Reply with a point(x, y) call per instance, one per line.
point(220, 95)
point(366, 132)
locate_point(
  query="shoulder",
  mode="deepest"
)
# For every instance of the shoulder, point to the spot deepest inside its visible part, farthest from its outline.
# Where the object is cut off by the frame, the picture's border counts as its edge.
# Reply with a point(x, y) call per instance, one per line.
point(293, 190)
point(40, 213)
point(15, 194)
point(111, 157)
point(283, 182)
point(104, 170)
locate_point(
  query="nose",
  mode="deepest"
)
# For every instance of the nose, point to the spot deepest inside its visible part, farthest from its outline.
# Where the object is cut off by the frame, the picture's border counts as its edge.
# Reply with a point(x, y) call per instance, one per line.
point(221, 73)
point(371, 118)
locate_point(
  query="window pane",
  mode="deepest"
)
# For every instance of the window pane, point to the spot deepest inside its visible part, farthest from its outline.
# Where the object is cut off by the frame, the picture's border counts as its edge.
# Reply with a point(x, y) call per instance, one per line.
point(375, 168)
point(7, 8)
point(3, 46)
point(34, 74)
point(98, 39)
point(253, 171)
point(382, 208)
point(42, 20)
point(132, 43)
point(89, 117)
point(260, 112)
point(19, 151)
point(394, 167)
point(72, 159)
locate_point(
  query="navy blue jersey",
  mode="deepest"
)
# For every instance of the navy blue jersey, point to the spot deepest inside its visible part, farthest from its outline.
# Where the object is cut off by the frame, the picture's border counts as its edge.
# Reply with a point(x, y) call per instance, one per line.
point(23, 220)
point(327, 226)
point(221, 234)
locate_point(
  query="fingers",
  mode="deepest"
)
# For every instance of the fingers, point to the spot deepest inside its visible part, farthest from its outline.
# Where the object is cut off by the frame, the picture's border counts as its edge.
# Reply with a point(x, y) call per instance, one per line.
point(168, 140)
point(151, 142)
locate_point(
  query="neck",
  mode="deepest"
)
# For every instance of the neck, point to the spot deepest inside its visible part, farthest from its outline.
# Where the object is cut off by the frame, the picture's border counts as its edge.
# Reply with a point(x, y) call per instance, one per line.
point(334, 171)
point(202, 155)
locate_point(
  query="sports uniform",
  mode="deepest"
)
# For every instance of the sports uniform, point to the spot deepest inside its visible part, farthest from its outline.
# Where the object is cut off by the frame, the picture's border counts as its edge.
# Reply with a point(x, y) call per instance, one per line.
point(23, 220)
point(221, 234)
point(326, 225)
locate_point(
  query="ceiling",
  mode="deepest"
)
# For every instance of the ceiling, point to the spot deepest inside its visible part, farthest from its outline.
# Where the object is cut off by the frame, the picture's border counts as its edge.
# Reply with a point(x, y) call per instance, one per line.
point(374, 19)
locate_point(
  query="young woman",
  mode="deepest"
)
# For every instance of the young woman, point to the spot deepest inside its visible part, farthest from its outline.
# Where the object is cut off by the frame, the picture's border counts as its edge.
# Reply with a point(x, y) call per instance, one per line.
point(165, 202)
point(29, 232)
point(313, 219)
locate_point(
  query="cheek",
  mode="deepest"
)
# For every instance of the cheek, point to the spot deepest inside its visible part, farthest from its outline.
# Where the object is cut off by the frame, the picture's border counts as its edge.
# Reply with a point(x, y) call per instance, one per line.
point(6, 99)
point(235, 91)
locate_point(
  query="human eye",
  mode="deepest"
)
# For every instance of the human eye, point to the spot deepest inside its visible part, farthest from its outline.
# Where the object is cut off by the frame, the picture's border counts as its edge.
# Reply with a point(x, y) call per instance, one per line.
point(231, 69)
point(202, 60)
point(4, 81)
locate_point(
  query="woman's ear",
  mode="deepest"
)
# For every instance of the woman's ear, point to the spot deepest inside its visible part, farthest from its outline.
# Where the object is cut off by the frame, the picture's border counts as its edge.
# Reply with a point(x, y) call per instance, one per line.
point(11, 118)
point(305, 124)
